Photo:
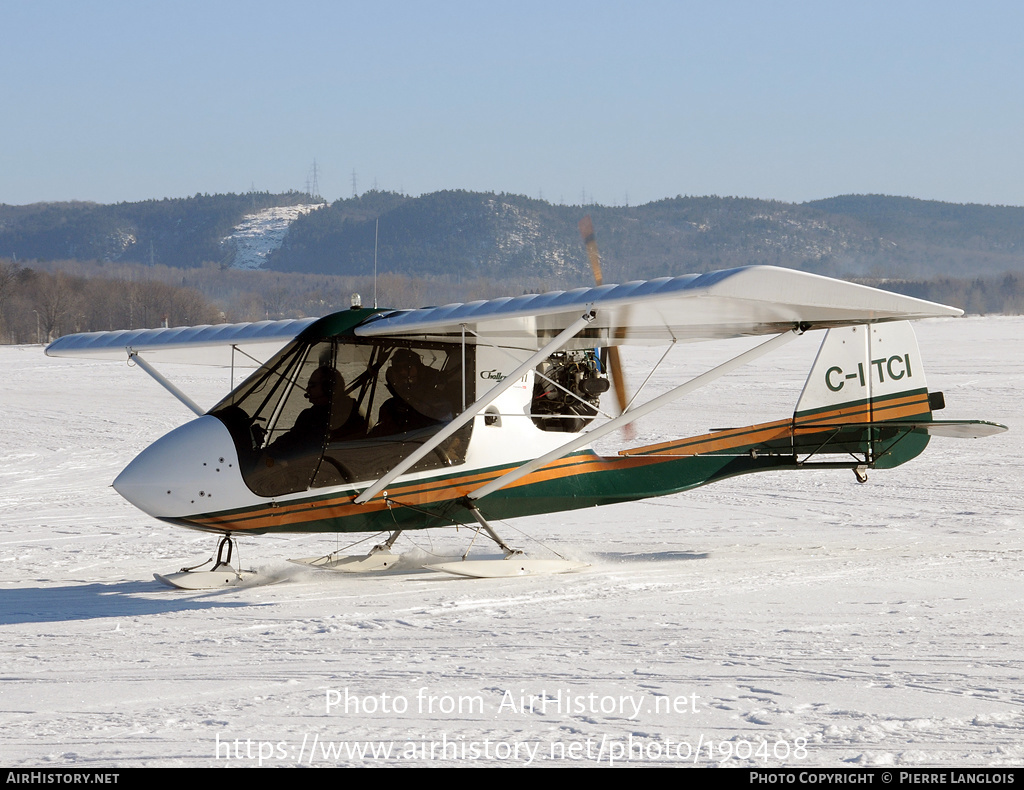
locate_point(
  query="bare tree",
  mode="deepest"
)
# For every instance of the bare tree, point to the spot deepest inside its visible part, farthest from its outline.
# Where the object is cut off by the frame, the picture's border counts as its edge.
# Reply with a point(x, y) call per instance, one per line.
point(56, 303)
point(8, 281)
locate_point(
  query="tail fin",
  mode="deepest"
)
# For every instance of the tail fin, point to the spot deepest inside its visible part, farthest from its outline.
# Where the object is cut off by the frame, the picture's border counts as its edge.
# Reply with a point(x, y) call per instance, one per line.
point(866, 373)
point(863, 377)
point(866, 397)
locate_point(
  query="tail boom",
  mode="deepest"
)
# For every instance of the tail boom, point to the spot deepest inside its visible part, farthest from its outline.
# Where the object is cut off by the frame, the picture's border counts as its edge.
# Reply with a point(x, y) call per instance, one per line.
point(866, 397)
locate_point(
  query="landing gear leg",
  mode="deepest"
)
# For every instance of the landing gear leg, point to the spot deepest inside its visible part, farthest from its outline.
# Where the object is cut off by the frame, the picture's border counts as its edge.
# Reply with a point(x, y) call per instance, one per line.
point(224, 562)
point(221, 575)
point(515, 563)
point(509, 552)
point(387, 544)
point(379, 558)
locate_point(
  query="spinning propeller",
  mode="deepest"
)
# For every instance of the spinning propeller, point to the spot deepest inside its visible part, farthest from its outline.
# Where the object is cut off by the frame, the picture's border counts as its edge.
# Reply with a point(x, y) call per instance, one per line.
point(614, 363)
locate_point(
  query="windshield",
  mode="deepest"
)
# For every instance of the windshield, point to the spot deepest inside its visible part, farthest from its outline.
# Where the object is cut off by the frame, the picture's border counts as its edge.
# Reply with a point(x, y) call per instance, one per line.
point(343, 410)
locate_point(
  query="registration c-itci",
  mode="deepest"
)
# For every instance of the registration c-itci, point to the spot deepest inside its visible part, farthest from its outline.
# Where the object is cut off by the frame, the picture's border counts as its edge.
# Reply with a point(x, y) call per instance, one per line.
point(897, 366)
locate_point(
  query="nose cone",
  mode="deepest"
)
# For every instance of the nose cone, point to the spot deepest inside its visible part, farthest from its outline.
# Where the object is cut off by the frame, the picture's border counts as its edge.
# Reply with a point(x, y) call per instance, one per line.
point(191, 470)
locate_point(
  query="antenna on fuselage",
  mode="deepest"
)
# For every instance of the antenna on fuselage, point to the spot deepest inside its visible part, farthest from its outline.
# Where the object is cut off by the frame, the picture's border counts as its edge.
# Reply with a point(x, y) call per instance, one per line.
point(376, 228)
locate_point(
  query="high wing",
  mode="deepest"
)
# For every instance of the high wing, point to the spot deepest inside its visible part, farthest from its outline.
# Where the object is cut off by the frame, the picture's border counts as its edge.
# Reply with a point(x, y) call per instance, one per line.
point(208, 345)
point(198, 345)
point(753, 300)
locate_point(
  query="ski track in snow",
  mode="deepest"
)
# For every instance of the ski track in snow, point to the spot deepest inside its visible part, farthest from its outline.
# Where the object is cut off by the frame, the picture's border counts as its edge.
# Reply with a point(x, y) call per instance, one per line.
point(834, 623)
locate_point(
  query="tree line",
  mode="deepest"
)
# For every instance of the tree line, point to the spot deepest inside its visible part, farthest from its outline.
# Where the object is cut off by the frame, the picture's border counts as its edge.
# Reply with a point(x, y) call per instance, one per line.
point(37, 306)
point(42, 301)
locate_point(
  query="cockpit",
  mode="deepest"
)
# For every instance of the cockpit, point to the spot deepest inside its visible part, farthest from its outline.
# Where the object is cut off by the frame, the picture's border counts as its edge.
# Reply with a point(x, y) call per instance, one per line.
point(341, 410)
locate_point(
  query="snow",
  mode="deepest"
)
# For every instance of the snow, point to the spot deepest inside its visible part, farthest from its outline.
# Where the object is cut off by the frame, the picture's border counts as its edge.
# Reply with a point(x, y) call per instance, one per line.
point(775, 620)
point(261, 233)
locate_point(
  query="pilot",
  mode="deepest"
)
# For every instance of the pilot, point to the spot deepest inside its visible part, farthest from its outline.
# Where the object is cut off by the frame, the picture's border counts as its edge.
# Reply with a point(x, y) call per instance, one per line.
point(417, 398)
point(331, 416)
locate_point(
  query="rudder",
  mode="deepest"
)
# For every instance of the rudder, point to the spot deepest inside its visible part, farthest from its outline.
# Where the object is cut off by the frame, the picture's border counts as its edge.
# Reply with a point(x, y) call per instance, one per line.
point(863, 376)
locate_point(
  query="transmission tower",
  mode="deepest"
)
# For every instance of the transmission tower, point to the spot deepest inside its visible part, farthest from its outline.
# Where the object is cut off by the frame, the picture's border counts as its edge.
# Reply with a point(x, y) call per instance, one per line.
point(314, 189)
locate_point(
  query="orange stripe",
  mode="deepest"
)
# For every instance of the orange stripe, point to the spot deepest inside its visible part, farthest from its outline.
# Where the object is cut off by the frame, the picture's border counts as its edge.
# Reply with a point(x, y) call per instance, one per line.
point(897, 408)
point(863, 412)
point(423, 492)
point(440, 489)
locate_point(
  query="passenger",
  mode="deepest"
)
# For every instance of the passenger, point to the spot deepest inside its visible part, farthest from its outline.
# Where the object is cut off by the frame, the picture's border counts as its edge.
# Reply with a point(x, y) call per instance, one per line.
point(417, 400)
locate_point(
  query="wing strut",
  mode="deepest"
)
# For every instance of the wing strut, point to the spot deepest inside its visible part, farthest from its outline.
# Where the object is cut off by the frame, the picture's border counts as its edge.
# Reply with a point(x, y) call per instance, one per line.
point(633, 414)
point(563, 337)
point(133, 356)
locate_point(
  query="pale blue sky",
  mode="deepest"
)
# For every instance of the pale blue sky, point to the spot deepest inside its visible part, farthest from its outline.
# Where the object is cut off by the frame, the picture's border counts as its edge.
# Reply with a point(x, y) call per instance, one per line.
point(111, 101)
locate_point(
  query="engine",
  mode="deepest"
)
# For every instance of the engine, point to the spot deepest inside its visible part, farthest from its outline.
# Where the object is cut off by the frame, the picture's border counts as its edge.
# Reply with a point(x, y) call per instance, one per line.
point(568, 387)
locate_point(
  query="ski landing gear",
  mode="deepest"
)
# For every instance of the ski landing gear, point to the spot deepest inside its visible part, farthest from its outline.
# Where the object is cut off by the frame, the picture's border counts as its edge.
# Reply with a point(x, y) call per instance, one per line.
point(515, 562)
point(379, 558)
point(222, 574)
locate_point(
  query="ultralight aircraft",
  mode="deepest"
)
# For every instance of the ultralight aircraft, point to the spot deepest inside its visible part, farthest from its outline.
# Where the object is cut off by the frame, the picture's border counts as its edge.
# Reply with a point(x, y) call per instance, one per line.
point(374, 420)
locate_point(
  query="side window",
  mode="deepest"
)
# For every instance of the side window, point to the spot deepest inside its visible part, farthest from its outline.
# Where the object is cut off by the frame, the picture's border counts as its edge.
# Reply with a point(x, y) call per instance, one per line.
point(408, 394)
point(421, 390)
point(299, 421)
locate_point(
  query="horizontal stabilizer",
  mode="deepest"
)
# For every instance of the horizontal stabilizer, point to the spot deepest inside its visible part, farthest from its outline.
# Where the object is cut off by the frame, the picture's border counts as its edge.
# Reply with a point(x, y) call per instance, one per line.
point(866, 395)
point(955, 429)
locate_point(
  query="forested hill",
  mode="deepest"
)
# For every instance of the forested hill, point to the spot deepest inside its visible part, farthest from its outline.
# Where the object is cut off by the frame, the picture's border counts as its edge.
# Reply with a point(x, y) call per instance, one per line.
point(507, 236)
point(181, 232)
point(468, 235)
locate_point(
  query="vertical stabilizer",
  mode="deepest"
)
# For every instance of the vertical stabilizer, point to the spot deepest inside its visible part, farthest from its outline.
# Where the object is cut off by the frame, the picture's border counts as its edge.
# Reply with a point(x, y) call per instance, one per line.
point(865, 376)
point(862, 371)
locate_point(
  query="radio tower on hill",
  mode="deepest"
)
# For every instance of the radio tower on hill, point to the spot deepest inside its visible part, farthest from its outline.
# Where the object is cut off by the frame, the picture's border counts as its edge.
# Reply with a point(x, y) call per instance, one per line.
point(312, 182)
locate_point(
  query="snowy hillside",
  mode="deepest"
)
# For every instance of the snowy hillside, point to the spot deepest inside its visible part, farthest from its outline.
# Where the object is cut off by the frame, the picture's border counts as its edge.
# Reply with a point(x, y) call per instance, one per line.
point(262, 233)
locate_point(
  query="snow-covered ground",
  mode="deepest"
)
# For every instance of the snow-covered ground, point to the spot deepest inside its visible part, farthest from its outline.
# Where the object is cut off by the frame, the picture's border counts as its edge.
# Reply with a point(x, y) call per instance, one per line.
point(261, 233)
point(780, 619)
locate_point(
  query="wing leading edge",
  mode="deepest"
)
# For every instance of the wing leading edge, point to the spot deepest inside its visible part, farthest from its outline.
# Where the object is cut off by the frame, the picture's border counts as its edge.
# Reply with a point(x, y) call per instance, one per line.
point(211, 345)
point(754, 300)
